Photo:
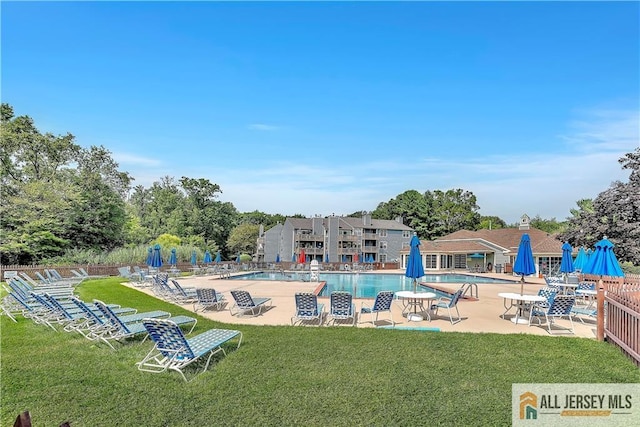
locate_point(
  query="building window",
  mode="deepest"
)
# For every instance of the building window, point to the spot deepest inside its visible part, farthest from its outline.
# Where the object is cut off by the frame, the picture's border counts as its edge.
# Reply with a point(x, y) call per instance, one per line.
point(382, 233)
point(383, 257)
point(406, 234)
point(460, 261)
point(383, 244)
point(430, 261)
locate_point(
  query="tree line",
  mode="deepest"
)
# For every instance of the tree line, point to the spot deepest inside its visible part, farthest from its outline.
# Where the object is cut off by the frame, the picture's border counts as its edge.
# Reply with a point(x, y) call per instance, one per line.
point(60, 198)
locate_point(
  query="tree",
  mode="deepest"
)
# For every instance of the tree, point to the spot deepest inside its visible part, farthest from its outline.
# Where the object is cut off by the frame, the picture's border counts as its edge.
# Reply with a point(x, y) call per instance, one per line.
point(551, 226)
point(434, 213)
point(614, 213)
point(491, 223)
point(454, 210)
point(55, 194)
point(243, 239)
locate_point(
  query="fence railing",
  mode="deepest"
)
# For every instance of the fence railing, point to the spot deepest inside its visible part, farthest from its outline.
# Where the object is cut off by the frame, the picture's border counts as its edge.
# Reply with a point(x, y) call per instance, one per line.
point(619, 324)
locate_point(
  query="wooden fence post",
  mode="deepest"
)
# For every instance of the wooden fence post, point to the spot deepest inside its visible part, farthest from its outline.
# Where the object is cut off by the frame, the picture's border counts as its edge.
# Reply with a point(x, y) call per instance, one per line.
point(600, 306)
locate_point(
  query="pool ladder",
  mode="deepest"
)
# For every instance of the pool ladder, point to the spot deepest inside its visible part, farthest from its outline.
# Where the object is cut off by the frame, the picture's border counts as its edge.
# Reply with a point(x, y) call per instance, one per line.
point(470, 288)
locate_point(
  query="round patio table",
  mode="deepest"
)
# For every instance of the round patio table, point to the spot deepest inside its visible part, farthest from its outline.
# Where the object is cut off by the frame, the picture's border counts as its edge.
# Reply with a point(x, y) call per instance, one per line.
point(415, 300)
point(518, 301)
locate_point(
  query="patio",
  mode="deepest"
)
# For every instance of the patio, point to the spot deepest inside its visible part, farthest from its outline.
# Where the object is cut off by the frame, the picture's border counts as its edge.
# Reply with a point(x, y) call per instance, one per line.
point(481, 315)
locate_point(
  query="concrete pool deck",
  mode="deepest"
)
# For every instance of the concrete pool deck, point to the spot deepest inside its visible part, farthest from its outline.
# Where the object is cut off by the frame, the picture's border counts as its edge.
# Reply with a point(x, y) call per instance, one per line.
point(482, 315)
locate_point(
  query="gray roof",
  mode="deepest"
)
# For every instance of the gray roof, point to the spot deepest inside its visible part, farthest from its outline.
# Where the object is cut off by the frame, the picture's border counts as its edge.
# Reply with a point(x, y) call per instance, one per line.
point(385, 224)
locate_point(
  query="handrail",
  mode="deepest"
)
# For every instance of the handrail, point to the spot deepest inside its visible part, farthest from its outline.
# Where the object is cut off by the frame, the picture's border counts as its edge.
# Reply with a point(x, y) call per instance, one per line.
point(470, 287)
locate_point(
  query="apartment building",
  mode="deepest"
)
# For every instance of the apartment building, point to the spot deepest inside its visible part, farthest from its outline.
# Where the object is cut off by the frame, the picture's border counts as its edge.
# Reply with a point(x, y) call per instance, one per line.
point(334, 239)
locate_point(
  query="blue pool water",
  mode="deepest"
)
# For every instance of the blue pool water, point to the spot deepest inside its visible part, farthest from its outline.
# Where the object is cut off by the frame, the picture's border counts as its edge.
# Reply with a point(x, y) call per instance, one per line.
point(369, 284)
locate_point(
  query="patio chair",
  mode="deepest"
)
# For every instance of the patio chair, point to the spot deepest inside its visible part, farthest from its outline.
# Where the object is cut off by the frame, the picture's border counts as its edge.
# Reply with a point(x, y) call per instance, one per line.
point(560, 307)
point(382, 304)
point(172, 350)
point(123, 327)
point(590, 312)
point(449, 303)
point(208, 298)
point(341, 307)
point(244, 303)
point(182, 294)
point(307, 309)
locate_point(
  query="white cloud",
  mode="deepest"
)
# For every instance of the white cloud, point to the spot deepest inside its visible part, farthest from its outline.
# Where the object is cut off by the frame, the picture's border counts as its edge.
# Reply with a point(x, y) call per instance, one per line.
point(583, 163)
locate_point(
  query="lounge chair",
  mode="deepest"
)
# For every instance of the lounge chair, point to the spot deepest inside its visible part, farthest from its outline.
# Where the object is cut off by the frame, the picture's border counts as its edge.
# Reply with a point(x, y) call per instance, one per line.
point(449, 304)
point(208, 298)
point(307, 309)
point(244, 304)
point(123, 326)
point(172, 350)
point(182, 294)
point(341, 307)
point(560, 307)
point(382, 304)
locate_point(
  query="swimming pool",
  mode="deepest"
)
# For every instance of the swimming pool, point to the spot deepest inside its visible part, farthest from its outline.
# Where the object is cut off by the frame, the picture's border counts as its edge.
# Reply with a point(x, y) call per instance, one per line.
point(369, 284)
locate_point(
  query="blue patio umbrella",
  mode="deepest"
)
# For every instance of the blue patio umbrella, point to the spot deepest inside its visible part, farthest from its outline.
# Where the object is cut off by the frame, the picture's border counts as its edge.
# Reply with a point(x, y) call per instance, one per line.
point(218, 258)
point(294, 258)
point(414, 263)
point(278, 258)
point(524, 264)
point(194, 258)
point(603, 262)
point(207, 257)
point(581, 259)
point(238, 259)
point(371, 260)
point(326, 257)
point(566, 264)
point(156, 259)
point(173, 258)
point(149, 256)
point(344, 258)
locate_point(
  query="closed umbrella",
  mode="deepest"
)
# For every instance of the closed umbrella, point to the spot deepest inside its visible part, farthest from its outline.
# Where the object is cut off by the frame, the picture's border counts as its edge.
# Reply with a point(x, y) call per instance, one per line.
point(524, 264)
point(173, 258)
point(326, 257)
point(414, 263)
point(293, 258)
point(603, 261)
point(194, 258)
point(581, 259)
point(207, 257)
point(355, 257)
point(156, 259)
point(566, 264)
point(218, 258)
point(238, 259)
point(278, 258)
point(149, 256)
point(303, 258)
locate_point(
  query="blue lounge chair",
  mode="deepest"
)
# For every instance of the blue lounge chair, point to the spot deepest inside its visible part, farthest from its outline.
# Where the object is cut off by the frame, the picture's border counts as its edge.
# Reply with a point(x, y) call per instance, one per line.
point(341, 307)
point(244, 304)
point(172, 350)
point(208, 298)
point(449, 304)
point(382, 304)
point(307, 309)
point(122, 327)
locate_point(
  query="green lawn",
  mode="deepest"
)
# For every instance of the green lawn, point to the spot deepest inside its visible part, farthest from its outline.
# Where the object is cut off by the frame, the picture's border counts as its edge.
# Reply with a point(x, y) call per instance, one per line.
point(289, 375)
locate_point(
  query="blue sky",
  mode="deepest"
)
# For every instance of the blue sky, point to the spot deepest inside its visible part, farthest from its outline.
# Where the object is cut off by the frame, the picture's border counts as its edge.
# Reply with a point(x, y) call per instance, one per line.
point(321, 108)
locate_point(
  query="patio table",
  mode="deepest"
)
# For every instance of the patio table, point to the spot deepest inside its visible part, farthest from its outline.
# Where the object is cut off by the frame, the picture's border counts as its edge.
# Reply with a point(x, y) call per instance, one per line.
point(519, 302)
point(415, 300)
